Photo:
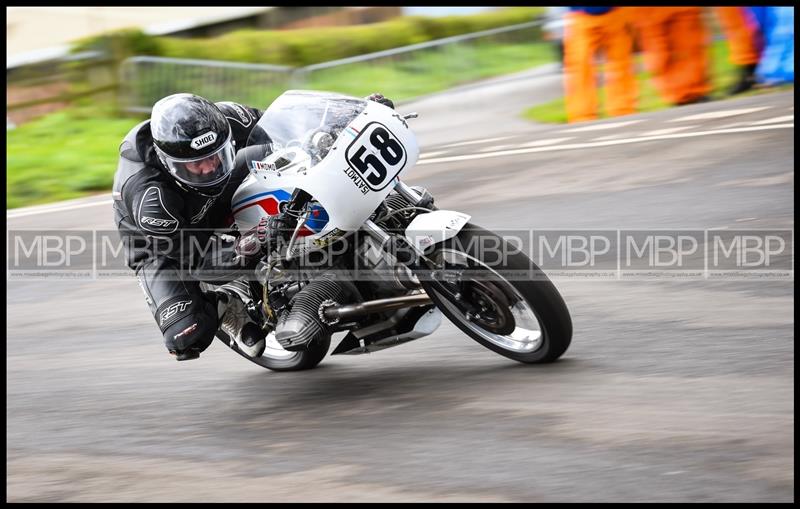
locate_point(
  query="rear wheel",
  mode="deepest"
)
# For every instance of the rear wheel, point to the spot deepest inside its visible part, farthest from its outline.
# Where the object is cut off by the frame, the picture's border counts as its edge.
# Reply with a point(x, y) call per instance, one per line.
point(274, 356)
point(510, 307)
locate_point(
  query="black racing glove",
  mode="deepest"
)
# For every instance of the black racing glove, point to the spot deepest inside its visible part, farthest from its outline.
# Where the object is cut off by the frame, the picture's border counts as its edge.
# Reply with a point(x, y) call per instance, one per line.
point(264, 238)
point(378, 98)
point(251, 243)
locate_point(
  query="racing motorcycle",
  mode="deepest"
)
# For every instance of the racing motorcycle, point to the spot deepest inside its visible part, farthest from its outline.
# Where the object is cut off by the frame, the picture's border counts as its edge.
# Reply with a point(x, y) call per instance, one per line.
point(370, 256)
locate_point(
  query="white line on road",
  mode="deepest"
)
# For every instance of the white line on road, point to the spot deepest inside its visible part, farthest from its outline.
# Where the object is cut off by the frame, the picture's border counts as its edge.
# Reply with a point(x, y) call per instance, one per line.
point(47, 210)
point(473, 142)
point(742, 220)
point(537, 143)
point(572, 146)
point(735, 124)
point(719, 114)
point(670, 130)
point(600, 127)
point(426, 155)
point(611, 137)
point(543, 143)
point(497, 147)
point(774, 120)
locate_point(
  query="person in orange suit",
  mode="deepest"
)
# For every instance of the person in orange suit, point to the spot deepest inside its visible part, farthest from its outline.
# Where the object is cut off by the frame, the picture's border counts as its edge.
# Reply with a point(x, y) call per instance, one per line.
point(674, 42)
point(744, 45)
point(590, 30)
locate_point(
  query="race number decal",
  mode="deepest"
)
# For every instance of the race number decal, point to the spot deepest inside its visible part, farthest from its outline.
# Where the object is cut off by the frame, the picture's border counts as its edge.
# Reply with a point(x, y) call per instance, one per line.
point(376, 155)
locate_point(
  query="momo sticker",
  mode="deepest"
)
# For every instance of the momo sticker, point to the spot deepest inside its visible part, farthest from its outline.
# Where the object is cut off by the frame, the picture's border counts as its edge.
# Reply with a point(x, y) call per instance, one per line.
point(261, 165)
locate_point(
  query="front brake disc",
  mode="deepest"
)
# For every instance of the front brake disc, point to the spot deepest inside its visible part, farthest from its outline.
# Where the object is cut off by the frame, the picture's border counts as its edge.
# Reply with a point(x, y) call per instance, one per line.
point(495, 315)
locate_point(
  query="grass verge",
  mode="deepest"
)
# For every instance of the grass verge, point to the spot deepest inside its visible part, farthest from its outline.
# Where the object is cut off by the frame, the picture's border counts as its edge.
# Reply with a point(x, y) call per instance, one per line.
point(64, 155)
point(73, 152)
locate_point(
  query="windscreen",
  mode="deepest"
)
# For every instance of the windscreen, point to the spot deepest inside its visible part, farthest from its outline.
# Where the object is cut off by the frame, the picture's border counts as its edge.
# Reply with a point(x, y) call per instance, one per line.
point(301, 125)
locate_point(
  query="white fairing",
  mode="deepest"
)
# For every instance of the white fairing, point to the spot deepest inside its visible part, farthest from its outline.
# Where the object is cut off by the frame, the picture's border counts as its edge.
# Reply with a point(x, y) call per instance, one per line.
point(360, 165)
point(434, 227)
point(249, 192)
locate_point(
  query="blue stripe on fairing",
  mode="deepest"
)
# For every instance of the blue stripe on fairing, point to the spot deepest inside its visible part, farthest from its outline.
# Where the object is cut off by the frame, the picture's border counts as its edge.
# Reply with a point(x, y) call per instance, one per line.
point(315, 224)
point(280, 195)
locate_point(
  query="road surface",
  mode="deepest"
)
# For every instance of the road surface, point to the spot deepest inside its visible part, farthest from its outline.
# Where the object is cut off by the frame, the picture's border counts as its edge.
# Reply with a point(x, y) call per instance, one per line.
point(673, 390)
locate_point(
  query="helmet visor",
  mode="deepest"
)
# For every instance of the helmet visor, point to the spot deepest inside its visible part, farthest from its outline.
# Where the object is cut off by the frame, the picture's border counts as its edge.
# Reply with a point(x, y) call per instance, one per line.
point(203, 171)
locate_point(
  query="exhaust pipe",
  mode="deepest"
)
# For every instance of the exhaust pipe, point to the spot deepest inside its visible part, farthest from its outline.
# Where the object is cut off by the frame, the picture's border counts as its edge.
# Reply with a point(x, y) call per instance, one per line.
point(331, 312)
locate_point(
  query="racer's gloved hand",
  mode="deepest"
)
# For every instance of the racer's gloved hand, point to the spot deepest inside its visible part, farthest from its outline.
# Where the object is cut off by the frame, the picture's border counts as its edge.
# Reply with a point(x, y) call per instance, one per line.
point(251, 243)
point(378, 98)
point(264, 238)
point(276, 233)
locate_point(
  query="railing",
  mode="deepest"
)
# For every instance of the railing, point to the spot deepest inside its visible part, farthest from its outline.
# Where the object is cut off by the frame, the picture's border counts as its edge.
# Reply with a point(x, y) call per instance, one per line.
point(145, 80)
point(138, 82)
point(448, 61)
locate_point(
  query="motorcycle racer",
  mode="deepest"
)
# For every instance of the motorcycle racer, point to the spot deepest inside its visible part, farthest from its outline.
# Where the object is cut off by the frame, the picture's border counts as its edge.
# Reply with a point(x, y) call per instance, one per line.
point(175, 179)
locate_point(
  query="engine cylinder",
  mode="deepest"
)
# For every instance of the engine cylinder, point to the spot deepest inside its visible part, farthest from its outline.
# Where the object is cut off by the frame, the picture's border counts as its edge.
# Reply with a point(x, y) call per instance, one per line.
point(302, 325)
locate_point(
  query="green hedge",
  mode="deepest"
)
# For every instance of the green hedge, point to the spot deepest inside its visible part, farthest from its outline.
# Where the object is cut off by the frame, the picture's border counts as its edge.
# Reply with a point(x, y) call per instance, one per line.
point(306, 46)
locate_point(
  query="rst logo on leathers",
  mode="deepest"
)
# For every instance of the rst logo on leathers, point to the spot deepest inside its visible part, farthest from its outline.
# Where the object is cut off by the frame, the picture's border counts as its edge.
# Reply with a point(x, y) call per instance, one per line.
point(164, 223)
point(204, 140)
point(173, 310)
point(375, 157)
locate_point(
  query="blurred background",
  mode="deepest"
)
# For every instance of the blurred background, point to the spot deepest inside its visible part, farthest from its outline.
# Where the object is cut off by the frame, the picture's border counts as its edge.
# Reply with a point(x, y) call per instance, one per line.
point(583, 119)
point(92, 72)
point(97, 69)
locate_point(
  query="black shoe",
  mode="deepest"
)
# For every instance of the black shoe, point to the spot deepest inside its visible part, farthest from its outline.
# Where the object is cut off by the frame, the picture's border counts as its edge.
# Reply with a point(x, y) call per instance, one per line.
point(747, 80)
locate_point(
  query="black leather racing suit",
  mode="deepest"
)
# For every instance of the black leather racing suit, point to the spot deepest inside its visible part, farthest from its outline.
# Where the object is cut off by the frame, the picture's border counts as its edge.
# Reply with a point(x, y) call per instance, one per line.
point(167, 231)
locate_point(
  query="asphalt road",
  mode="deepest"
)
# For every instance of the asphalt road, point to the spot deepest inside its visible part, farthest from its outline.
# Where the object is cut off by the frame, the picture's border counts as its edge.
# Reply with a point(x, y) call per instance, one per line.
point(673, 390)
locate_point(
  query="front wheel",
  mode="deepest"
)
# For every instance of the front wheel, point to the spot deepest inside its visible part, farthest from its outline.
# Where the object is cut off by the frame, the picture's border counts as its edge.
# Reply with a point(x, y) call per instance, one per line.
point(509, 305)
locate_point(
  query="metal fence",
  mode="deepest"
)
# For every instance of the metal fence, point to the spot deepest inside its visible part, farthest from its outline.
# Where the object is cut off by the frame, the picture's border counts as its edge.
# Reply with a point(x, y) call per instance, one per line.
point(145, 80)
point(447, 62)
point(444, 62)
